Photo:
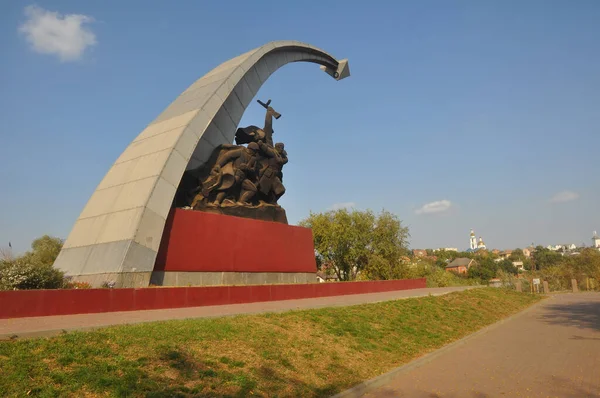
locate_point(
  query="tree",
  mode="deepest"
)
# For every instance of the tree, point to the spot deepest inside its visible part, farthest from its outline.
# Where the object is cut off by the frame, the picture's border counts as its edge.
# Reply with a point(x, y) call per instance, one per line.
point(588, 263)
point(349, 241)
point(507, 266)
point(485, 269)
point(517, 255)
point(544, 257)
point(45, 250)
point(33, 270)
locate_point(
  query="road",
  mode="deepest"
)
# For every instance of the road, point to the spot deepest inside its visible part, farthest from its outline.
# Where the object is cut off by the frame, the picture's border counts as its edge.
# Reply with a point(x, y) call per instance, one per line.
point(551, 350)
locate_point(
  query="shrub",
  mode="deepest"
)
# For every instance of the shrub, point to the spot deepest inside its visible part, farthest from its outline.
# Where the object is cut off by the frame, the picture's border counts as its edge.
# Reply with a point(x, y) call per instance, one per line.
point(108, 284)
point(23, 274)
point(69, 284)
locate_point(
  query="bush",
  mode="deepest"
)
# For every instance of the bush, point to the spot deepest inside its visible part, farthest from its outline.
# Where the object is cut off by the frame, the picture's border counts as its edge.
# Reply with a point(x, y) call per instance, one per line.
point(22, 274)
point(437, 277)
point(33, 270)
point(69, 284)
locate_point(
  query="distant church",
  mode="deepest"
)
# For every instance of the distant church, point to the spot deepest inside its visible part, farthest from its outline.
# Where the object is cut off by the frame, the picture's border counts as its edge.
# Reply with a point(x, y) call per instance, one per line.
point(474, 245)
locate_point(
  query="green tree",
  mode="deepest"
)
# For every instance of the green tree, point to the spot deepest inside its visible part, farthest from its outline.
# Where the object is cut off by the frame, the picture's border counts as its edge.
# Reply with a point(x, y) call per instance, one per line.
point(45, 250)
point(507, 266)
point(517, 255)
point(545, 258)
point(485, 269)
point(349, 241)
point(34, 269)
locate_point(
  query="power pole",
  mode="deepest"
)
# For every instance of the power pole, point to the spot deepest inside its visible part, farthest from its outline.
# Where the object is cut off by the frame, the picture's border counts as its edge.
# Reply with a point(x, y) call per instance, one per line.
point(532, 269)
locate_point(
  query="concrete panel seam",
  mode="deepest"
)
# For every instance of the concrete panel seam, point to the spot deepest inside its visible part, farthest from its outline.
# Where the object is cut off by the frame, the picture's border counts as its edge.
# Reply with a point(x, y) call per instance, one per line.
point(227, 112)
point(147, 154)
point(138, 225)
point(124, 183)
point(110, 212)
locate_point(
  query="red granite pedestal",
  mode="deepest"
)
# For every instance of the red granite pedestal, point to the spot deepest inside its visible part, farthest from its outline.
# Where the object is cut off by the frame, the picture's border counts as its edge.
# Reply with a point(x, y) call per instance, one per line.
point(199, 248)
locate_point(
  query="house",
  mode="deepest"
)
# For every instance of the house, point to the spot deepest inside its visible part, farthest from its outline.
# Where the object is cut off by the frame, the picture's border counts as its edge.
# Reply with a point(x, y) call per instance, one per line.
point(419, 253)
point(447, 249)
point(496, 252)
point(460, 265)
point(505, 254)
point(528, 251)
point(519, 265)
point(323, 277)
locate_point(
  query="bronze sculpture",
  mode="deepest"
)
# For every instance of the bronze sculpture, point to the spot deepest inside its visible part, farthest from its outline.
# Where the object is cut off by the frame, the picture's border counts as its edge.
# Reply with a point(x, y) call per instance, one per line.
point(244, 181)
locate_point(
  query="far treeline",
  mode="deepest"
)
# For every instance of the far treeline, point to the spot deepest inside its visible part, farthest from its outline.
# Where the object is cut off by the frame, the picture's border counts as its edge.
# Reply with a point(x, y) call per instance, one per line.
point(353, 245)
point(360, 245)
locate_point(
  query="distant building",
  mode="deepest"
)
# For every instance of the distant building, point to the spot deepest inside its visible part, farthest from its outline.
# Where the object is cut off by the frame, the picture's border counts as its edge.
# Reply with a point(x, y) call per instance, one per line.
point(448, 249)
point(527, 251)
point(496, 252)
point(419, 253)
point(505, 254)
point(519, 265)
point(322, 277)
point(596, 240)
point(474, 245)
point(460, 265)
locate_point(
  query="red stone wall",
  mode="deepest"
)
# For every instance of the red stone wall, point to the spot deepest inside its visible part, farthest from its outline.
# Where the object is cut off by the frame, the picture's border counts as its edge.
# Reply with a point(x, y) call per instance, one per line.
point(204, 242)
point(27, 303)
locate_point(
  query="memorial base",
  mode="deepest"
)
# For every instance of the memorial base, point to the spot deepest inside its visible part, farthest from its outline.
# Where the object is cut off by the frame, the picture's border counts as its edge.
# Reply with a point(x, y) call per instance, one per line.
point(264, 212)
point(200, 249)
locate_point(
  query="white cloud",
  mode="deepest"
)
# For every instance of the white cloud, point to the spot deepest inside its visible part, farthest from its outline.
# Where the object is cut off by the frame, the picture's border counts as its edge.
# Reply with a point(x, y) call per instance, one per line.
point(434, 207)
point(49, 32)
point(343, 205)
point(564, 196)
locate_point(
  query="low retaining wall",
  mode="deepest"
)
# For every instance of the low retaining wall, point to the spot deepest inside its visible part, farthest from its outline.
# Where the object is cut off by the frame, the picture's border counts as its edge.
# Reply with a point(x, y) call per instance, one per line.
point(28, 303)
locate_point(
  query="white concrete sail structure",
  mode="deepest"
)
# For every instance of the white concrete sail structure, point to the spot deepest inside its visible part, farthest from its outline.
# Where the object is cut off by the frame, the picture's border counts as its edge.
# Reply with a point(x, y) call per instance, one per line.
point(117, 235)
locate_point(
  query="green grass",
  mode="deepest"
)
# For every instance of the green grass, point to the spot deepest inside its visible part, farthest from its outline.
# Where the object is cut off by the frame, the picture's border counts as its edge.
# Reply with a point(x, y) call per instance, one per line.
point(313, 353)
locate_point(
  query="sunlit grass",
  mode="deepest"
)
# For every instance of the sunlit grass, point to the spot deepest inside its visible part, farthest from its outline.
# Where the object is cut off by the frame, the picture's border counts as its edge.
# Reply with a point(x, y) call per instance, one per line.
point(301, 353)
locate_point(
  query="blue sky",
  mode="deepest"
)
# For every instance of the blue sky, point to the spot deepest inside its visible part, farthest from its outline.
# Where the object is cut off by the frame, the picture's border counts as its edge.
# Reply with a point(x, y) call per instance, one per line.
point(458, 115)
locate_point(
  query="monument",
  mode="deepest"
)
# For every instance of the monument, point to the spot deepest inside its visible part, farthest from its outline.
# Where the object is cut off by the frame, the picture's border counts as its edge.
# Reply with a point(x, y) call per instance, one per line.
point(243, 181)
point(134, 226)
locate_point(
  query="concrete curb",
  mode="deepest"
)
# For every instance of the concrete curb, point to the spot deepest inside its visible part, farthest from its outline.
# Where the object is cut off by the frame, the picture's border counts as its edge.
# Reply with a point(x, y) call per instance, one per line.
point(363, 388)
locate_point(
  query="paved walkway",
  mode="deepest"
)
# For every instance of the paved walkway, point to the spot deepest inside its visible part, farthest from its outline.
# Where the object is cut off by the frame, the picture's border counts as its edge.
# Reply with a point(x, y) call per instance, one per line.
point(552, 350)
point(53, 325)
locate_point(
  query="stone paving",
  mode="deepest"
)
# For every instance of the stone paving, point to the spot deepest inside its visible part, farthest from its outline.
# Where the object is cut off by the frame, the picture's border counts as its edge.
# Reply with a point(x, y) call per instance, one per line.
point(552, 350)
point(53, 325)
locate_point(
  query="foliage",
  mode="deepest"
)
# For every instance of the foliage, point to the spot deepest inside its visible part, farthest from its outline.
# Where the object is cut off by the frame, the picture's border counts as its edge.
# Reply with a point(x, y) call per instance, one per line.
point(108, 285)
point(21, 274)
point(545, 258)
point(508, 267)
point(378, 268)
point(34, 269)
point(310, 353)
point(436, 276)
point(484, 270)
point(559, 271)
point(517, 255)
point(69, 284)
point(350, 241)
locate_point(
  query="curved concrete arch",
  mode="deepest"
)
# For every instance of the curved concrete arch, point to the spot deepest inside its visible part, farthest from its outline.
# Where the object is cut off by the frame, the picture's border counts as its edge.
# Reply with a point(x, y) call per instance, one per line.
point(117, 235)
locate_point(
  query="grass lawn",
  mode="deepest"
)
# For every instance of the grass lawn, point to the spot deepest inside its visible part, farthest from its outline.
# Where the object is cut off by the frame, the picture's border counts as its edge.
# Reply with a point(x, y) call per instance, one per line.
point(312, 353)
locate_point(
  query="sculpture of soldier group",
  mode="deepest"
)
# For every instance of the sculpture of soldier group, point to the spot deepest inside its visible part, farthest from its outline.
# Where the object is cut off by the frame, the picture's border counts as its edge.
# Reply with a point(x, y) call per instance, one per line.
point(243, 180)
